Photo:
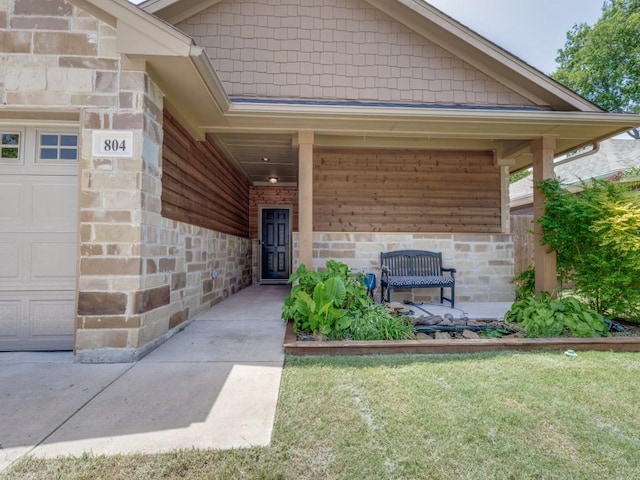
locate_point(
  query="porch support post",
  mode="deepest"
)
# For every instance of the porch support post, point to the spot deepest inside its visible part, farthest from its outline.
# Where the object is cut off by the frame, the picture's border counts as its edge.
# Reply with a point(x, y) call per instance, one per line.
point(305, 197)
point(543, 150)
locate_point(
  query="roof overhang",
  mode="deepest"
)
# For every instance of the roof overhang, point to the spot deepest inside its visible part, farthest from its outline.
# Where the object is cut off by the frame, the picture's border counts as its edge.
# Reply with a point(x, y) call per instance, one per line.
point(192, 89)
point(506, 131)
point(195, 95)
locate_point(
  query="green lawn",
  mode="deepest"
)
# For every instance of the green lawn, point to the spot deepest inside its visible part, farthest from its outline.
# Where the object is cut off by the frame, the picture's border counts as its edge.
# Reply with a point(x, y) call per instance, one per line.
point(490, 416)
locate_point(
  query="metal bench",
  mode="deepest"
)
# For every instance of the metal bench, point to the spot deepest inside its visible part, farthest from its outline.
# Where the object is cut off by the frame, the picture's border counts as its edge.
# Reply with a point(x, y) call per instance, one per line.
point(415, 269)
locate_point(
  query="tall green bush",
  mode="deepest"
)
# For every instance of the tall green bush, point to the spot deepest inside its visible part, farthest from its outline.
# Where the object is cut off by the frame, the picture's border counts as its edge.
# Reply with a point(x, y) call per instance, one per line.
point(596, 236)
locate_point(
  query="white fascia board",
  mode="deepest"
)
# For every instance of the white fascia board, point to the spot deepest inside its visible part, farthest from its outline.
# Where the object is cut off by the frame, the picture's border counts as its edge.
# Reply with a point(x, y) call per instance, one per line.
point(446, 114)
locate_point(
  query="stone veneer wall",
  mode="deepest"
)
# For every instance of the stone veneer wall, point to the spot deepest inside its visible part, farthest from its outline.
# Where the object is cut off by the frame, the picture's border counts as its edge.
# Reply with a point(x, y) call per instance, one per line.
point(484, 262)
point(55, 55)
point(139, 275)
point(142, 275)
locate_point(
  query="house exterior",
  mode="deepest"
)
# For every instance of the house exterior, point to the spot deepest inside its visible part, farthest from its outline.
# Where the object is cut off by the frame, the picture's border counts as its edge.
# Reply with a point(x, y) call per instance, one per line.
point(605, 162)
point(139, 147)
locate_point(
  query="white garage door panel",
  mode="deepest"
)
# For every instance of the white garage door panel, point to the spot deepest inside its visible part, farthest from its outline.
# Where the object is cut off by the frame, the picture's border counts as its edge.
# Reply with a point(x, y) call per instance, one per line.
point(52, 318)
point(38, 247)
point(55, 205)
point(11, 205)
point(36, 320)
point(38, 260)
point(10, 255)
point(10, 315)
point(54, 262)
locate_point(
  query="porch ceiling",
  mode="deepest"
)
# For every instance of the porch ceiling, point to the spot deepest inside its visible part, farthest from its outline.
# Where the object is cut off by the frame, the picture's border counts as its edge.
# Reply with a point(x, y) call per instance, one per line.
point(253, 132)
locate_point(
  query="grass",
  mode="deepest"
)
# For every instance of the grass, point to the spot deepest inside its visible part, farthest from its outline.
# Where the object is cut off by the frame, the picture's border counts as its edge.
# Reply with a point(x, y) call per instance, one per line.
point(488, 416)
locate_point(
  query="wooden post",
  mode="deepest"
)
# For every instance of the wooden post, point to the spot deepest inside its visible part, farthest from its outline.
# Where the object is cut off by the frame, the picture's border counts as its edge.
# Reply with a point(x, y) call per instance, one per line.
point(305, 197)
point(543, 150)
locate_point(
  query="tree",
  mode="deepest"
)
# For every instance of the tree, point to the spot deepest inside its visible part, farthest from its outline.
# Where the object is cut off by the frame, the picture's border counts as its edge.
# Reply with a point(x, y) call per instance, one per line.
point(602, 62)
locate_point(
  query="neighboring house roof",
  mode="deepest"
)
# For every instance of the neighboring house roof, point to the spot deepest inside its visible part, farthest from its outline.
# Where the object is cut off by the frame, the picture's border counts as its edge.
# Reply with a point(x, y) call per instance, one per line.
point(195, 94)
point(612, 156)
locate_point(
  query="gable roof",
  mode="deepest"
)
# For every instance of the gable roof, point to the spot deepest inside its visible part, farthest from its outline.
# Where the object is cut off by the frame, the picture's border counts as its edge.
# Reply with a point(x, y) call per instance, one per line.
point(196, 96)
point(443, 30)
point(611, 157)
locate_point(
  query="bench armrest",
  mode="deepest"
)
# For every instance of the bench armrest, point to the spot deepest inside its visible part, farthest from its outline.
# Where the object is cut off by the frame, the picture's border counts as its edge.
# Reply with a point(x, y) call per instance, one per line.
point(384, 272)
point(452, 271)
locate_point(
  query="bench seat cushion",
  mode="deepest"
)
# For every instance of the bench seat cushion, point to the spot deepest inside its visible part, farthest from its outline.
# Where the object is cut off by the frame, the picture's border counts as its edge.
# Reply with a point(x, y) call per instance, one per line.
point(410, 281)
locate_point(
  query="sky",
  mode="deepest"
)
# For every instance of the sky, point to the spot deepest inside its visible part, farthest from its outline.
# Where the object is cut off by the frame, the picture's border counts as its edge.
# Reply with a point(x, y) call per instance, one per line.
point(533, 30)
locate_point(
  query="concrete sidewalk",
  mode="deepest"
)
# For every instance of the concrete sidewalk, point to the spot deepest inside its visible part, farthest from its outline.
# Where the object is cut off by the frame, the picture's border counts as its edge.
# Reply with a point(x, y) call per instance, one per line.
point(212, 385)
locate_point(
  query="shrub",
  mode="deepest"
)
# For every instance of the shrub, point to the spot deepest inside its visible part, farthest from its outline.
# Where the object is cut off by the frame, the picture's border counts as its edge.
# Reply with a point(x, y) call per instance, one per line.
point(525, 283)
point(596, 236)
point(335, 303)
point(543, 316)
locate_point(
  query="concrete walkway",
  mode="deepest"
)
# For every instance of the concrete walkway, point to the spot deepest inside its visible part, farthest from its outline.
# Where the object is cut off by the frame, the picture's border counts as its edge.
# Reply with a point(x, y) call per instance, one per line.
point(212, 385)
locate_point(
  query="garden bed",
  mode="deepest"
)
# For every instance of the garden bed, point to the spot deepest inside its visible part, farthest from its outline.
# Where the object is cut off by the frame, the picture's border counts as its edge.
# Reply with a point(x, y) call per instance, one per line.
point(625, 342)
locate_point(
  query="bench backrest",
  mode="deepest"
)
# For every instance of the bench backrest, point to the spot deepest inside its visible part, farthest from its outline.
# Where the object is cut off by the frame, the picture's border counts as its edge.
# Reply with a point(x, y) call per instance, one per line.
point(412, 262)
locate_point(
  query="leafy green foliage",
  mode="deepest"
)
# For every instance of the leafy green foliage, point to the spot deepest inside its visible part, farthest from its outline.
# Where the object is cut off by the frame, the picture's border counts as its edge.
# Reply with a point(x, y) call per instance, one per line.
point(602, 62)
point(525, 283)
point(543, 316)
point(335, 303)
point(596, 236)
point(376, 323)
point(514, 177)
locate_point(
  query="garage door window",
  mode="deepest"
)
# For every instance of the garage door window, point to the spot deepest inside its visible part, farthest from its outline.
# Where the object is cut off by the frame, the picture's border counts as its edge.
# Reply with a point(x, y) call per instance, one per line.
point(58, 147)
point(9, 146)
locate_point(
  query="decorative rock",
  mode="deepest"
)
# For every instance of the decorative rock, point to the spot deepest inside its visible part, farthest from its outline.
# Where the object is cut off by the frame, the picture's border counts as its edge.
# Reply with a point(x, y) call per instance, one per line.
point(428, 320)
point(446, 322)
point(470, 335)
point(443, 336)
point(422, 336)
point(397, 307)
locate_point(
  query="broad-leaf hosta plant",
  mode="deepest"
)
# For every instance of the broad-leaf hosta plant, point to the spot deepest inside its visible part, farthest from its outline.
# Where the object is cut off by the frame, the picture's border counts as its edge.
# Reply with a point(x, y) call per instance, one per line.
point(543, 316)
point(334, 303)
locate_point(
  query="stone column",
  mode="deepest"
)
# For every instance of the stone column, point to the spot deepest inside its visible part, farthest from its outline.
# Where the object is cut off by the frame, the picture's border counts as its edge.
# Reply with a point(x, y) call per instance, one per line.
point(119, 297)
point(543, 150)
point(305, 197)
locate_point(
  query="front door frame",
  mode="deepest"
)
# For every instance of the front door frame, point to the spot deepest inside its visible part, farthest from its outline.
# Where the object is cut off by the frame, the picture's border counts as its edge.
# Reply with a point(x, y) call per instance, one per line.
point(261, 208)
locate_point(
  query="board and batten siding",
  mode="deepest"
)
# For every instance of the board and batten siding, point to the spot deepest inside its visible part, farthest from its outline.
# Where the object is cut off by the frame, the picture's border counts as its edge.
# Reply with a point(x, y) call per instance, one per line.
point(406, 191)
point(199, 185)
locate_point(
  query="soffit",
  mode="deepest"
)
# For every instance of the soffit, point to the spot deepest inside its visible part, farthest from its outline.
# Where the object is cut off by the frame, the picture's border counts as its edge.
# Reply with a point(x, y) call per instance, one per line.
point(251, 133)
point(173, 11)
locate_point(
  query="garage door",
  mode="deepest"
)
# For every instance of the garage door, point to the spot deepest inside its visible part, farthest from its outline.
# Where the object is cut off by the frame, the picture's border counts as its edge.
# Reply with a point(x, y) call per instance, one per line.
point(38, 237)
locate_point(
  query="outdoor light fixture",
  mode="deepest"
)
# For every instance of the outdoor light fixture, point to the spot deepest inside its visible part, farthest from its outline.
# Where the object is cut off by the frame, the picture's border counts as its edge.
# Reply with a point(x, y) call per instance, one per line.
point(265, 159)
point(273, 179)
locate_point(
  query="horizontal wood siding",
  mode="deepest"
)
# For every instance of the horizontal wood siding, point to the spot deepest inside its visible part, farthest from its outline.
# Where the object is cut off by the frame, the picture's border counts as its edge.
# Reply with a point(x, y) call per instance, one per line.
point(272, 197)
point(523, 241)
point(199, 185)
point(406, 191)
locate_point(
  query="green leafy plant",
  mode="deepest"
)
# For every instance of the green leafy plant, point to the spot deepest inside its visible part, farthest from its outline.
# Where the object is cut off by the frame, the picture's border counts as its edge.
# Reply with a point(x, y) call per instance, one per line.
point(322, 302)
point(543, 316)
point(595, 235)
point(334, 303)
point(525, 283)
point(377, 323)
point(323, 313)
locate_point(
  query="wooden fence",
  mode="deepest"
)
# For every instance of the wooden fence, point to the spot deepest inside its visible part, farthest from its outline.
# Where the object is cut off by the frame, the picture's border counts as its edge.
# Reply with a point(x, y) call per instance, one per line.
point(523, 243)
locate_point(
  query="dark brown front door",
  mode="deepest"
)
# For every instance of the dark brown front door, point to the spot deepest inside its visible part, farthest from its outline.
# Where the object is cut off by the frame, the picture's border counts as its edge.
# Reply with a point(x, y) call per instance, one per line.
point(275, 245)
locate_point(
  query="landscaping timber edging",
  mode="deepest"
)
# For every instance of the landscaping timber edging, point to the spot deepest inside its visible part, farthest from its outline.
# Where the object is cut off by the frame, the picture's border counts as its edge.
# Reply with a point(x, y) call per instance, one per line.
point(385, 347)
